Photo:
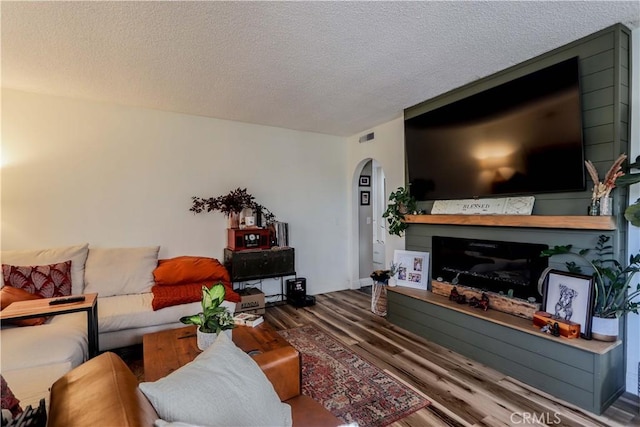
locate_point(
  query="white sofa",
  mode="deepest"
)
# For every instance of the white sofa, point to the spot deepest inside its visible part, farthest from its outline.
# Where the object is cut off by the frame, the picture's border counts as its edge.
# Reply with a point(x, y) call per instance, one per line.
point(33, 357)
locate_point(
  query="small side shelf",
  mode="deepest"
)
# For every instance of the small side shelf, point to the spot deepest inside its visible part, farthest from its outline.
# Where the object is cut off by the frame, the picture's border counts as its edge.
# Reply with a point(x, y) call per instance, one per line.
point(575, 222)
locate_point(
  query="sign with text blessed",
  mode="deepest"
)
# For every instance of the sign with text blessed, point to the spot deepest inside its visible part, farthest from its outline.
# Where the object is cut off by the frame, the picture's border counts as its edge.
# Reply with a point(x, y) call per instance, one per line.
point(498, 206)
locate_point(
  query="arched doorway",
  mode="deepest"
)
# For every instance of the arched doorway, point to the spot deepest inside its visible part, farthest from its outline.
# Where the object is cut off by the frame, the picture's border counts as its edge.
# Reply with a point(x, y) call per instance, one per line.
point(371, 204)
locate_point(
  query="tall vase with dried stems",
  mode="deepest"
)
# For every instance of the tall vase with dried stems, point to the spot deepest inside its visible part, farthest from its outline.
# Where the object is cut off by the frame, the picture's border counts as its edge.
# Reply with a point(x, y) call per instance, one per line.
point(601, 200)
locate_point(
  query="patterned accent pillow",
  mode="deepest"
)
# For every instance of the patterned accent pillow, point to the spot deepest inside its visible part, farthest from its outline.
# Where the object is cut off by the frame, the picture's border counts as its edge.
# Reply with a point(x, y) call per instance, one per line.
point(48, 281)
point(8, 400)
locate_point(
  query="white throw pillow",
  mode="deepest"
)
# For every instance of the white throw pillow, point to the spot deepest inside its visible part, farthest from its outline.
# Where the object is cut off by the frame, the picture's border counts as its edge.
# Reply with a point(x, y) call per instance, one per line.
point(120, 271)
point(77, 254)
point(223, 386)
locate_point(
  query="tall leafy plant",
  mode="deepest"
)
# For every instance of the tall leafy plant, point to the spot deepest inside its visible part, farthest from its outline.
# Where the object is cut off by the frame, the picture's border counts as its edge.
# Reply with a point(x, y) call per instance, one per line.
point(614, 296)
point(400, 204)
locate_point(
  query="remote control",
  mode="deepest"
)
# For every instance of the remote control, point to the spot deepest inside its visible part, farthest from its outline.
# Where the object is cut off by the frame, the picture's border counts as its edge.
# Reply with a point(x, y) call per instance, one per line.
point(66, 300)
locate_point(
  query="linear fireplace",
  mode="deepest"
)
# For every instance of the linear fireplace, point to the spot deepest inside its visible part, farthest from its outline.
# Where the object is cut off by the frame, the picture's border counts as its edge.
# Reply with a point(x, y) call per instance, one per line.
point(489, 265)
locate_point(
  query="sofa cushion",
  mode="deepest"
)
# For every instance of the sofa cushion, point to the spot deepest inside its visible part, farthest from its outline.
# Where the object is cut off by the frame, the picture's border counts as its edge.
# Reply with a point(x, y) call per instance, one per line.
point(9, 294)
point(120, 271)
point(223, 386)
point(77, 254)
point(121, 312)
point(63, 339)
point(47, 281)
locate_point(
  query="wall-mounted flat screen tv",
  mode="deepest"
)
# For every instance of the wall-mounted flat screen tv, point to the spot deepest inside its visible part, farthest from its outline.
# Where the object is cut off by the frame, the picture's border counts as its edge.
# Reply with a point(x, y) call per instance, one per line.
point(519, 138)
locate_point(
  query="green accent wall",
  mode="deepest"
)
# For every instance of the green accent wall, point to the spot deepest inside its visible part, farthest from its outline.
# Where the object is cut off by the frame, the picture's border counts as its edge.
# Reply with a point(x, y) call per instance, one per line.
point(604, 59)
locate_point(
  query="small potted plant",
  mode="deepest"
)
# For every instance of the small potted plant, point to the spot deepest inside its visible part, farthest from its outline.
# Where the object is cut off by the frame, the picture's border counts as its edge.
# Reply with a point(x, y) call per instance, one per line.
point(394, 269)
point(213, 319)
point(612, 284)
point(401, 203)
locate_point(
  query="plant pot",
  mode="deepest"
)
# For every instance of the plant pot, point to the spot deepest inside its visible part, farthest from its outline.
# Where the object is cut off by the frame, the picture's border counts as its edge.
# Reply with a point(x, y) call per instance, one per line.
point(205, 339)
point(392, 282)
point(605, 329)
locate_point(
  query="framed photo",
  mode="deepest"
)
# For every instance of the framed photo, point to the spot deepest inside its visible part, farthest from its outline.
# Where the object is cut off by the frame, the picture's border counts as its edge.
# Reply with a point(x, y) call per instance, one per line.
point(365, 198)
point(413, 268)
point(570, 296)
point(365, 180)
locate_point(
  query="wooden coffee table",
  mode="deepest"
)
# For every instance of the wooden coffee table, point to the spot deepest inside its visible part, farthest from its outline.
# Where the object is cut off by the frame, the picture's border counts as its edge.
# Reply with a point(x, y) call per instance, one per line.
point(167, 351)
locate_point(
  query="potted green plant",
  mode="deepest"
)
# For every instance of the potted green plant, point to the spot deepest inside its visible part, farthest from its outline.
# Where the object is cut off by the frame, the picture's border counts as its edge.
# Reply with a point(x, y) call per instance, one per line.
point(400, 204)
point(213, 319)
point(612, 284)
point(231, 205)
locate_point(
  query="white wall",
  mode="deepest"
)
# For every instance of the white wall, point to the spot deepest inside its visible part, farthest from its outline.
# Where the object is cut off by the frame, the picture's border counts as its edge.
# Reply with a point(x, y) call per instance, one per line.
point(633, 320)
point(76, 171)
point(387, 148)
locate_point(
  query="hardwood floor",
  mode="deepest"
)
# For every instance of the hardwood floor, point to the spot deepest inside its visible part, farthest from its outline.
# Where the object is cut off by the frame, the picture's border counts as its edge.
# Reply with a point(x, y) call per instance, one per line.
point(462, 392)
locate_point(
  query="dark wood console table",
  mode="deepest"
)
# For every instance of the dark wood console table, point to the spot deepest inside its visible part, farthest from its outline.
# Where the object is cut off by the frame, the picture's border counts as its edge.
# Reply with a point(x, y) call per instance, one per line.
point(257, 264)
point(589, 374)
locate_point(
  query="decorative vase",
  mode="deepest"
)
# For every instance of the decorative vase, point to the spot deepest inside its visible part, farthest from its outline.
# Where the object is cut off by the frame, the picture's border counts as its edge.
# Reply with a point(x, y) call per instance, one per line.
point(392, 282)
point(234, 220)
point(605, 329)
point(606, 206)
point(379, 299)
point(594, 208)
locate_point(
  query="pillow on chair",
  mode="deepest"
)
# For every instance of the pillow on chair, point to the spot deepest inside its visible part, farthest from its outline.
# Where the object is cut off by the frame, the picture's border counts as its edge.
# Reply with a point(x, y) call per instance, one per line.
point(222, 386)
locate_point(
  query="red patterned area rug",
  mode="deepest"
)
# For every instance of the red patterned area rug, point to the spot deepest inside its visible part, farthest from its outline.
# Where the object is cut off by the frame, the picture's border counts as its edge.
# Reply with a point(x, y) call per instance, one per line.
point(351, 388)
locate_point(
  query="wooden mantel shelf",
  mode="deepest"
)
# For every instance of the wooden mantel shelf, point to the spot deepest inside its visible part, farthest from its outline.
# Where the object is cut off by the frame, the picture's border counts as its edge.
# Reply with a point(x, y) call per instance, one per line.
point(534, 221)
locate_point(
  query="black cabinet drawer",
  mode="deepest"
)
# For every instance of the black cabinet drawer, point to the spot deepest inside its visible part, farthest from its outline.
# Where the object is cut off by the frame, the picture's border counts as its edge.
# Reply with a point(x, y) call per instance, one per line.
point(259, 264)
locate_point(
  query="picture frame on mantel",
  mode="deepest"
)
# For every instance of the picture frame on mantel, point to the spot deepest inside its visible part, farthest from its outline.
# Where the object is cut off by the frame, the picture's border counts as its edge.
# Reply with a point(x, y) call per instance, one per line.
point(413, 268)
point(570, 296)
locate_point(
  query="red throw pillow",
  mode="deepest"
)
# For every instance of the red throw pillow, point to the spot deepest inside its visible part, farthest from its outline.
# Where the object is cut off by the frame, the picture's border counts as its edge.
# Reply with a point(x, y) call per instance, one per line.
point(8, 400)
point(166, 296)
point(9, 294)
point(48, 281)
point(189, 269)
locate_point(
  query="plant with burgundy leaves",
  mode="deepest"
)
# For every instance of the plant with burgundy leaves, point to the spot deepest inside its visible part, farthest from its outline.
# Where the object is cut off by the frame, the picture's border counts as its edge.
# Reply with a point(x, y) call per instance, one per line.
point(233, 202)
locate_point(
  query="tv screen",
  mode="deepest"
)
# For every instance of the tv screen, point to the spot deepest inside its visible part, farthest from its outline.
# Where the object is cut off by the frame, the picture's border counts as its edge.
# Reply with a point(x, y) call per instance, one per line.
point(519, 138)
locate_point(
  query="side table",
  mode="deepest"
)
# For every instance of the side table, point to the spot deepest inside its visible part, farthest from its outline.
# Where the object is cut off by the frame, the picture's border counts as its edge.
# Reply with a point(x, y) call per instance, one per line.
point(41, 307)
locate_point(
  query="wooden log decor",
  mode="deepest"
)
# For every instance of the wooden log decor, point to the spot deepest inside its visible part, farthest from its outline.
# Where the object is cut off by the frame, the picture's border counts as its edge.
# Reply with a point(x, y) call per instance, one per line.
point(515, 306)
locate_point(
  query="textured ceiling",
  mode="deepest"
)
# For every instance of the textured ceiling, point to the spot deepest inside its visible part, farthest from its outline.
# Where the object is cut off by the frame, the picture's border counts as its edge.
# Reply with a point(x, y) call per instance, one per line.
point(331, 67)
